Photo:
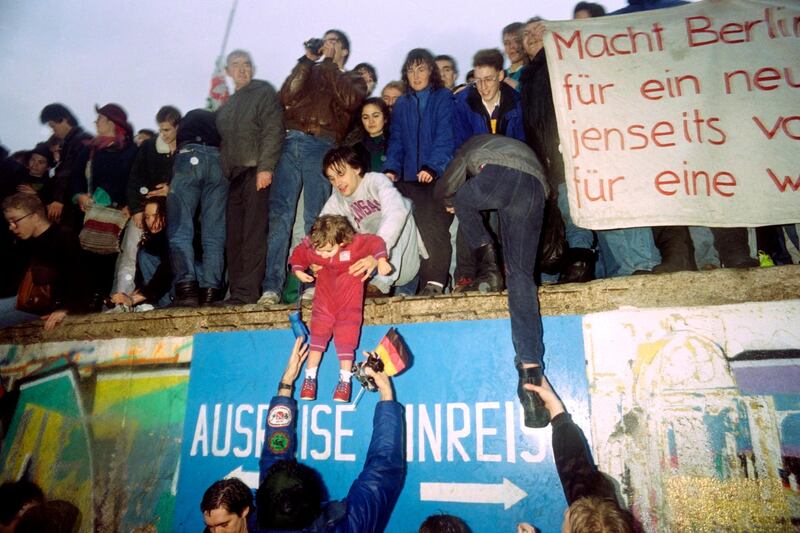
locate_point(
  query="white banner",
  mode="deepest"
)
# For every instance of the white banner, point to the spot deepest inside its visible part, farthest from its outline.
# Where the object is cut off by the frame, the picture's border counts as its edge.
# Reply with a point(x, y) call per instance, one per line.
point(685, 116)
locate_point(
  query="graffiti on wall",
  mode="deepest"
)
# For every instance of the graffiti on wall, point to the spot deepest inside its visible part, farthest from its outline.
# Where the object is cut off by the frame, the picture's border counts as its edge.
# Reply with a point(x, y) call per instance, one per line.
point(99, 424)
point(696, 412)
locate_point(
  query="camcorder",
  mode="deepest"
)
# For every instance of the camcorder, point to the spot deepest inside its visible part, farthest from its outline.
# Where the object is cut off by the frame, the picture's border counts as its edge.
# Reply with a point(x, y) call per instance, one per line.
point(314, 44)
point(359, 371)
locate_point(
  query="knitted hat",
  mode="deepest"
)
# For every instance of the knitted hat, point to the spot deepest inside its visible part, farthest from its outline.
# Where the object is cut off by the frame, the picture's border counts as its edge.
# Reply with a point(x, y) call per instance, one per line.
point(115, 114)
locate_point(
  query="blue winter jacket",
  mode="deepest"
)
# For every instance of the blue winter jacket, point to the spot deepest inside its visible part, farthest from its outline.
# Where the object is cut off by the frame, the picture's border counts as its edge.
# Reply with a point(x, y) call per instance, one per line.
point(421, 140)
point(634, 6)
point(471, 117)
point(372, 496)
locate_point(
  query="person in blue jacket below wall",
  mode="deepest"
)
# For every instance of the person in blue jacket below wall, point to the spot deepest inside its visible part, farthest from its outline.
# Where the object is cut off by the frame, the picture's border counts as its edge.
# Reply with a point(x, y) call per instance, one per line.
point(421, 144)
point(289, 497)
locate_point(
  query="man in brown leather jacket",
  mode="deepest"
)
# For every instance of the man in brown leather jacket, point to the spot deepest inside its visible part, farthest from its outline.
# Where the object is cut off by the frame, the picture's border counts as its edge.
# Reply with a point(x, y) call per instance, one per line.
point(320, 99)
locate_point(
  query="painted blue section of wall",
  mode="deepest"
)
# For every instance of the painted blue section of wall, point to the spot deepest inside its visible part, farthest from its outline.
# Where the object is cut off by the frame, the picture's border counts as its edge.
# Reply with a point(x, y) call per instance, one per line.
point(463, 419)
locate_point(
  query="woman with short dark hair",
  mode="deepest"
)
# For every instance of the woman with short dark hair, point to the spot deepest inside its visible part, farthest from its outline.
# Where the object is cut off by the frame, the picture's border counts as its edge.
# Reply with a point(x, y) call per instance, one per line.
point(374, 118)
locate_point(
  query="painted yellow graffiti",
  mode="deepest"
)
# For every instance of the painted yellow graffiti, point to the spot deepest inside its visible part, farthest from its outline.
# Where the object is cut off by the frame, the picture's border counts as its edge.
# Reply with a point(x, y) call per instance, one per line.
point(707, 505)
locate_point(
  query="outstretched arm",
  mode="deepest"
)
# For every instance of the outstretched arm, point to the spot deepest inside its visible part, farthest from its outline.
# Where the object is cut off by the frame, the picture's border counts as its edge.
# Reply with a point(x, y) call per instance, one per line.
point(373, 495)
point(280, 440)
point(576, 469)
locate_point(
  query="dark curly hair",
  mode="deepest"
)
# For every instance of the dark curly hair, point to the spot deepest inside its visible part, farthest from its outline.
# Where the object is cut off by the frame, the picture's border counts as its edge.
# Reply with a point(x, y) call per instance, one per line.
point(425, 57)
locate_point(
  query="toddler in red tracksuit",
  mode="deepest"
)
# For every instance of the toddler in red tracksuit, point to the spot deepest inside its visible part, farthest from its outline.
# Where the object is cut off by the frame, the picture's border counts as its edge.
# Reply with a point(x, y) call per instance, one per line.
point(346, 260)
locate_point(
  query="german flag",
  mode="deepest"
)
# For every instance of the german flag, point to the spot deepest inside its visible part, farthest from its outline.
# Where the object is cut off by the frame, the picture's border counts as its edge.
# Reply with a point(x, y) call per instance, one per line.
point(393, 352)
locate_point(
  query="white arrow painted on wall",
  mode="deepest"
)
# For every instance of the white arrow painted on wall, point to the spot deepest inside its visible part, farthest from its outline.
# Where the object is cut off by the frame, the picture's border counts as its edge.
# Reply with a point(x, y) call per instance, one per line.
point(250, 478)
point(506, 493)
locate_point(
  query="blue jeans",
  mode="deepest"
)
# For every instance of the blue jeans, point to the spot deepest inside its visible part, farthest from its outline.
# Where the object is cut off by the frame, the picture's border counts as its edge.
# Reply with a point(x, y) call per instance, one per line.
point(624, 251)
point(196, 183)
point(705, 255)
point(519, 200)
point(300, 167)
point(576, 236)
point(148, 264)
point(11, 316)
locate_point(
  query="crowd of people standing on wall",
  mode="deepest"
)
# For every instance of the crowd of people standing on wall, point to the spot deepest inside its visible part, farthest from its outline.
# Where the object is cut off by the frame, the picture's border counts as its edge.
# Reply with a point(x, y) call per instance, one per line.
point(210, 204)
point(430, 188)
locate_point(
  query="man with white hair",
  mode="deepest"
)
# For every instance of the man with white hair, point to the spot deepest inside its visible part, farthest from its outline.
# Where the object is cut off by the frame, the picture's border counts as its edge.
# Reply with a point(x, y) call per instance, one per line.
point(251, 126)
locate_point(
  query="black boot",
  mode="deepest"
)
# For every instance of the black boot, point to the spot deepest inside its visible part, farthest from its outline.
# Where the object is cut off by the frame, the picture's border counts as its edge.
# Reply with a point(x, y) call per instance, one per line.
point(209, 295)
point(578, 265)
point(677, 250)
point(536, 414)
point(733, 248)
point(488, 278)
point(186, 294)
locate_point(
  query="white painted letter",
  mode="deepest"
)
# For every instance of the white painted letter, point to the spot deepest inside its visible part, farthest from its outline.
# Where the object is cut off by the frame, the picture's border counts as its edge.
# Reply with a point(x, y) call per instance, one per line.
point(481, 432)
point(225, 450)
point(324, 433)
point(409, 432)
point(537, 435)
point(200, 432)
point(454, 435)
point(425, 430)
point(340, 432)
point(244, 430)
point(261, 420)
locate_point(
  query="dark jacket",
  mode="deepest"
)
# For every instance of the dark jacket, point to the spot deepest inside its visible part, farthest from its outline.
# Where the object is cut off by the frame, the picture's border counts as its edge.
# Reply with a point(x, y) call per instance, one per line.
point(471, 117)
point(579, 477)
point(198, 126)
point(12, 265)
point(487, 149)
point(372, 152)
point(251, 126)
point(161, 282)
point(43, 185)
point(75, 141)
point(150, 168)
point(541, 128)
point(320, 99)
point(55, 258)
point(421, 134)
point(634, 6)
point(373, 495)
point(110, 170)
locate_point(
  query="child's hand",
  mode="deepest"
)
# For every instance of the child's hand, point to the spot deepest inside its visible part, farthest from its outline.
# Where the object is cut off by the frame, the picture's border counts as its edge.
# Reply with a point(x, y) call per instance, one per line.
point(302, 276)
point(384, 267)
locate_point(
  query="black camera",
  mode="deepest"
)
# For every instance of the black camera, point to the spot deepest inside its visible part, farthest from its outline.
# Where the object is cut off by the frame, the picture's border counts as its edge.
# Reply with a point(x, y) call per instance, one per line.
point(314, 44)
point(374, 362)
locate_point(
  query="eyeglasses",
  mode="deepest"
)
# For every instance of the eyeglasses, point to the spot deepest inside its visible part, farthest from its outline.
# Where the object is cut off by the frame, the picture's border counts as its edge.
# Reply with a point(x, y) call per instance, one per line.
point(487, 81)
point(15, 222)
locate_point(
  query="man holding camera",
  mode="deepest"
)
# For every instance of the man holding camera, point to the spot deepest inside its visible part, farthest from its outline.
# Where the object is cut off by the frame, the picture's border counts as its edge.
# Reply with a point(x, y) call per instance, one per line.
point(320, 99)
point(289, 497)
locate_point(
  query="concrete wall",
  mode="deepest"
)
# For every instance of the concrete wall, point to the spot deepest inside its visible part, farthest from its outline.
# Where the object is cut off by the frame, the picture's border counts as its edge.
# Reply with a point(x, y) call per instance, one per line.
point(691, 405)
